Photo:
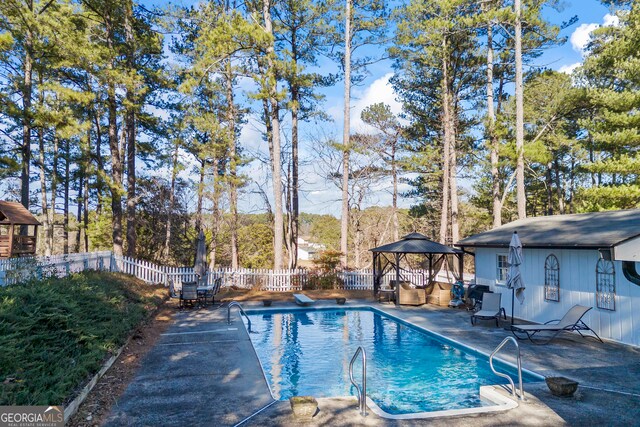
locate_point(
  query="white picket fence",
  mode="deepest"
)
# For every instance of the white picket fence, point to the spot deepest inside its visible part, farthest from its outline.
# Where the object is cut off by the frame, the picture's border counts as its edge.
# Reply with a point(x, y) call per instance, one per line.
point(16, 270)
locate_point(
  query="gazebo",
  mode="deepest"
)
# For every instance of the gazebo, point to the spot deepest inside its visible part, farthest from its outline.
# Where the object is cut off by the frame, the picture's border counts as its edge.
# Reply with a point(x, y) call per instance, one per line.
point(18, 230)
point(389, 256)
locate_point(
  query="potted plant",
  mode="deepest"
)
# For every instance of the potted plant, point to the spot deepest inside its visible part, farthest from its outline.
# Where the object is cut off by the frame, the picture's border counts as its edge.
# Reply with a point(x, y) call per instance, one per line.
point(303, 407)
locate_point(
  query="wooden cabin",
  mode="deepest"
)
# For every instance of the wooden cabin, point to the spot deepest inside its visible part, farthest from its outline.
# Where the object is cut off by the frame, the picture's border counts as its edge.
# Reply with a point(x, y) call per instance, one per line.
point(18, 230)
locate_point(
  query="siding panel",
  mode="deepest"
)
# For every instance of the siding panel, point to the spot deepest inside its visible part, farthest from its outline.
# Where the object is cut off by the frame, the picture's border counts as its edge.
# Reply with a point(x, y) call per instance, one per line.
point(577, 286)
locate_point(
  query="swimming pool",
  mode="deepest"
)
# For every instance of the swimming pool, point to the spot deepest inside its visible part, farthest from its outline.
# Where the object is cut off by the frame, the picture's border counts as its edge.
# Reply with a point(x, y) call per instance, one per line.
point(307, 352)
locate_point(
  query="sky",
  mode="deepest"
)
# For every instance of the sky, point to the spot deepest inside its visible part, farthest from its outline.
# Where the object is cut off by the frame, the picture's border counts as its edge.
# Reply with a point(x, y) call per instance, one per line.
point(320, 196)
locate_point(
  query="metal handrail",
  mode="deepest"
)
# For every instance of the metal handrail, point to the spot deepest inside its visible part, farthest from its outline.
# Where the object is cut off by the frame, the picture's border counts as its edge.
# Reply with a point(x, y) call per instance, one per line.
point(237, 304)
point(362, 393)
point(519, 360)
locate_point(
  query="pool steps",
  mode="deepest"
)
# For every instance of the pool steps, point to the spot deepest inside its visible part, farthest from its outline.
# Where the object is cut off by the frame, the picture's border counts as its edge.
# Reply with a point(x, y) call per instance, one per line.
point(362, 392)
point(237, 304)
point(519, 361)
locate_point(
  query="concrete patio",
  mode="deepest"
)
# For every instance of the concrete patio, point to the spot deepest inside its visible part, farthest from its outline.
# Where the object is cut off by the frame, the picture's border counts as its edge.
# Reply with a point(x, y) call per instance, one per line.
point(205, 372)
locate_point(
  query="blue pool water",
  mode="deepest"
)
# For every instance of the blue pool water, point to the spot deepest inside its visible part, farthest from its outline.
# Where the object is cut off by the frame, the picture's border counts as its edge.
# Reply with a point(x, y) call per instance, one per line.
point(408, 370)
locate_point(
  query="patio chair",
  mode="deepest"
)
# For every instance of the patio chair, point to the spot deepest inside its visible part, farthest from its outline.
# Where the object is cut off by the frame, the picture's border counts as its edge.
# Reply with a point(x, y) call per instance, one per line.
point(189, 293)
point(411, 296)
point(572, 321)
point(210, 292)
point(491, 308)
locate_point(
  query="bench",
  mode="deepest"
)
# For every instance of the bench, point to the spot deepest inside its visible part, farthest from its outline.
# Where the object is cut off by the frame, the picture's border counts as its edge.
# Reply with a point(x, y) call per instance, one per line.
point(302, 299)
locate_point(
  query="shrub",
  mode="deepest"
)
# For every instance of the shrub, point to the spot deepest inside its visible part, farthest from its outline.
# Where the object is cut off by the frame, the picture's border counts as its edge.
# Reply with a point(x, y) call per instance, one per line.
point(56, 333)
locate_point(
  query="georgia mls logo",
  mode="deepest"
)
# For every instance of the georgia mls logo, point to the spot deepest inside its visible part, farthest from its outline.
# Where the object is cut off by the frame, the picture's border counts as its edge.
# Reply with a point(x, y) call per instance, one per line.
point(31, 416)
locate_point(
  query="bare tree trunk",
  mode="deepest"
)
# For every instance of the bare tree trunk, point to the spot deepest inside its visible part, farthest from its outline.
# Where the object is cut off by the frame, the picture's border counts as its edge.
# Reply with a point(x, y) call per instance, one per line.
point(79, 204)
point(491, 134)
point(85, 198)
point(559, 188)
point(43, 194)
point(216, 214)
point(25, 150)
point(65, 222)
point(446, 148)
point(453, 181)
point(54, 192)
point(130, 126)
point(572, 183)
point(346, 131)
point(357, 243)
point(295, 208)
point(116, 158)
point(549, 185)
point(99, 163)
point(288, 193)
point(278, 220)
point(116, 172)
point(172, 198)
point(394, 174)
point(520, 192)
point(198, 226)
point(233, 185)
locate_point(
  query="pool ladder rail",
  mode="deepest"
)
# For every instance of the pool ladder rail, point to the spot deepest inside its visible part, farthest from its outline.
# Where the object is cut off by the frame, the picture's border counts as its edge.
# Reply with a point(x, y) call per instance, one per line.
point(242, 312)
point(519, 360)
point(362, 392)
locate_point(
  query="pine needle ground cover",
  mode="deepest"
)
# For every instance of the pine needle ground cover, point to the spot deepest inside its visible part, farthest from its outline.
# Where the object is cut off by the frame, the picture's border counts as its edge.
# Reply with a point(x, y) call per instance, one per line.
point(56, 333)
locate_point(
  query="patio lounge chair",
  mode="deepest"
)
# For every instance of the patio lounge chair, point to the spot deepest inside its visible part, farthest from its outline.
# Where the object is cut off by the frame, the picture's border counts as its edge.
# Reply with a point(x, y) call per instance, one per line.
point(490, 308)
point(189, 293)
point(572, 321)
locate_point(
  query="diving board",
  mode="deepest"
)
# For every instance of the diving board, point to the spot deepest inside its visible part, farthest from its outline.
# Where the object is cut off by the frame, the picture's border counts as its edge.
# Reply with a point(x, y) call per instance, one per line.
point(302, 299)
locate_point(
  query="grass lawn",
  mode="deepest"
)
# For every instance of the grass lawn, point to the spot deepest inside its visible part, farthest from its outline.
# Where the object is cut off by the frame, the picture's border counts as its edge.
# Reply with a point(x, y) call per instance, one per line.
point(55, 334)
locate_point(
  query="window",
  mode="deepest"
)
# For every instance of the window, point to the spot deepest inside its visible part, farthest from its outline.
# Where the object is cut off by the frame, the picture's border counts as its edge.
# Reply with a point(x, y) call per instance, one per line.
point(502, 266)
point(605, 285)
point(551, 278)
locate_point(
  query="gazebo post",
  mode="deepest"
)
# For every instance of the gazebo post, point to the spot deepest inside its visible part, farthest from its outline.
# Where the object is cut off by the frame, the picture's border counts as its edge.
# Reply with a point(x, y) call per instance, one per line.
point(397, 278)
point(376, 281)
point(11, 240)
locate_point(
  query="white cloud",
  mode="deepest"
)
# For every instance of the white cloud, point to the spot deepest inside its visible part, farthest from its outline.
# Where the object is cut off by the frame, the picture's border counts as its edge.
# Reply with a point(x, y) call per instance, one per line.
point(379, 91)
point(581, 36)
point(569, 69)
point(610, 20)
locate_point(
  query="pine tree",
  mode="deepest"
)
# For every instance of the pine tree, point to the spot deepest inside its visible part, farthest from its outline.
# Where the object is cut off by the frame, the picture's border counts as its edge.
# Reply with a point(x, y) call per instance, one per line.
point(363, 24)
point(612, 78)
point(437, 62)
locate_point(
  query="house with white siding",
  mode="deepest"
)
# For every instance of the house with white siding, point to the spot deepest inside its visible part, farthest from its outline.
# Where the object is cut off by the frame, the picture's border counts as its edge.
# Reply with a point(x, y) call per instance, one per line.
point(589, 259)
point(308, 251)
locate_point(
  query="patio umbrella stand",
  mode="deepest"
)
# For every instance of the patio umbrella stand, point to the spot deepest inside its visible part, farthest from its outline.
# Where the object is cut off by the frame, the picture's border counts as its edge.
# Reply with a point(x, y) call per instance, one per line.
point(514, 277)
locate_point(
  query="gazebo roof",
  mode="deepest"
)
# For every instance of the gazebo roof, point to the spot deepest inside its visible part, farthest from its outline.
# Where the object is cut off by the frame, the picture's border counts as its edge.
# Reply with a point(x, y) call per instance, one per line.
point(15, 213)
point(416, 243)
